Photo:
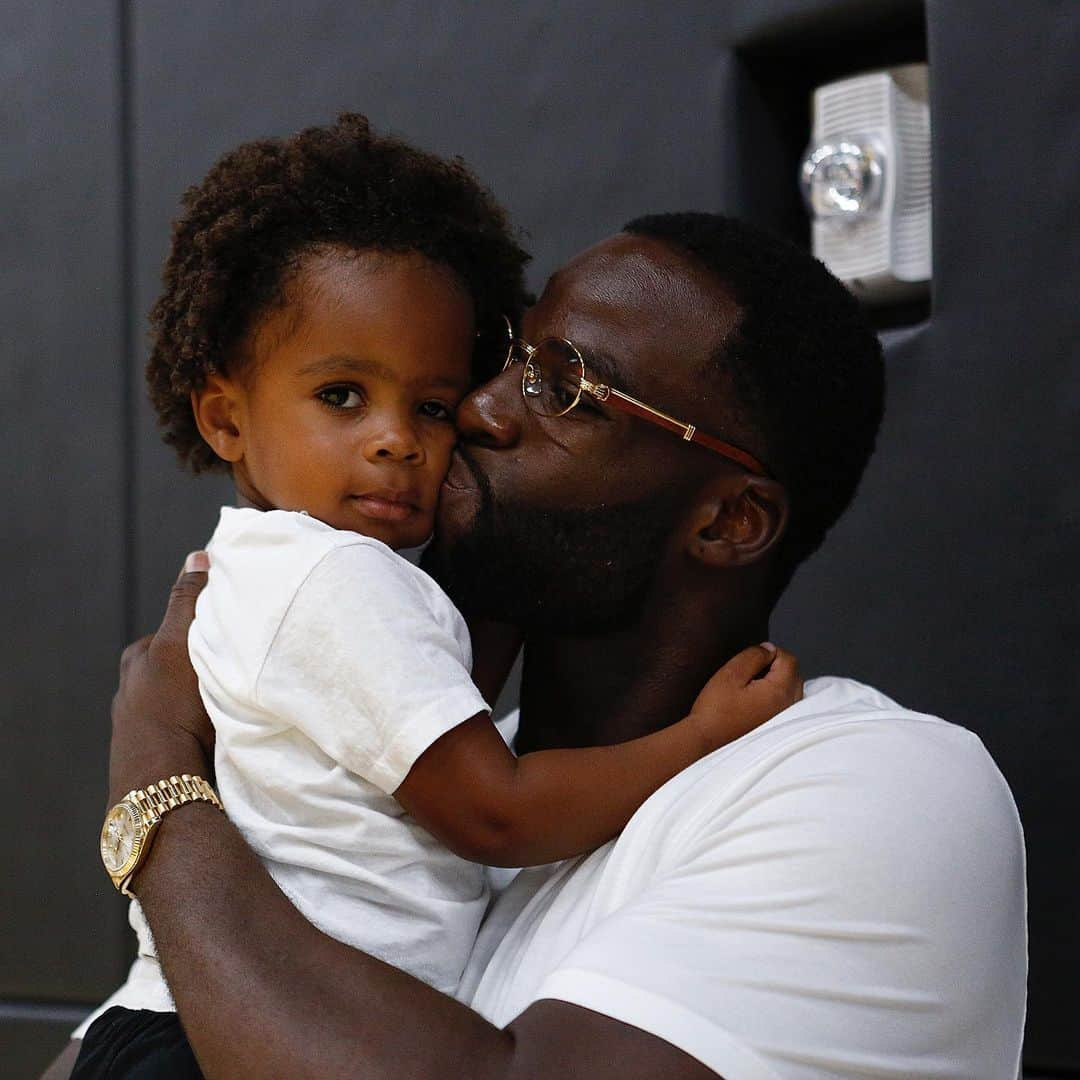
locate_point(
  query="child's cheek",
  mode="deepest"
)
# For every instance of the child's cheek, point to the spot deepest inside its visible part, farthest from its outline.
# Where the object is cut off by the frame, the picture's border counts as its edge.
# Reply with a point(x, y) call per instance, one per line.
point(439, 453)
point(446, 446)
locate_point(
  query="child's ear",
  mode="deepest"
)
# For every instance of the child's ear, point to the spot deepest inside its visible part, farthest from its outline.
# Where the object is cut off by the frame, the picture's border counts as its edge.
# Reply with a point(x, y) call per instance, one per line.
point(738, 521)
point(218, 415)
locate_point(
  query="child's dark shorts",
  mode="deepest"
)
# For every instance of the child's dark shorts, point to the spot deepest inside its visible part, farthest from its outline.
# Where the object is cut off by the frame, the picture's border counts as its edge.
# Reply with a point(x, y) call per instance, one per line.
point(136, 1044)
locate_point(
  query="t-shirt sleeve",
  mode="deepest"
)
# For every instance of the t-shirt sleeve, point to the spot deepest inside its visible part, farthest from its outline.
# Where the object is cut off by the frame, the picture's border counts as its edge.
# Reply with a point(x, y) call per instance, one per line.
point(365, 668)
point(857, 909)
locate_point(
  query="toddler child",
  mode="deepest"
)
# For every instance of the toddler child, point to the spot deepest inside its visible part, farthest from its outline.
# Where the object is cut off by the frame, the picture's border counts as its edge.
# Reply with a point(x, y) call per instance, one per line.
point(315, 335)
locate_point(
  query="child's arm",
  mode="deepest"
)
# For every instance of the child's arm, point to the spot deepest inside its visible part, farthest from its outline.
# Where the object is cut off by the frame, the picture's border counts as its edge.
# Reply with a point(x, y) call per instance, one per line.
point(469, 790)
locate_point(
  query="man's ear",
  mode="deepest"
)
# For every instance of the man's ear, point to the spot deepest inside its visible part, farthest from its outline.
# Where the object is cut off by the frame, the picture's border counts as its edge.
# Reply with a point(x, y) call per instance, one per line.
point(217, 406)
point(737, 520)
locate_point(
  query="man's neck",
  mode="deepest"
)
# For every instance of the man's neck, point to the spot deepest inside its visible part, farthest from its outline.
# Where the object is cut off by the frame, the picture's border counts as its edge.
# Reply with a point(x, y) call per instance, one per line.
point(604, 689)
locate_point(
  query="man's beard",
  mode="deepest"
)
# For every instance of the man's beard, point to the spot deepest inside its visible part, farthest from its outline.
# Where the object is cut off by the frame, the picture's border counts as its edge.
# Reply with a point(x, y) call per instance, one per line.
point(575, 571)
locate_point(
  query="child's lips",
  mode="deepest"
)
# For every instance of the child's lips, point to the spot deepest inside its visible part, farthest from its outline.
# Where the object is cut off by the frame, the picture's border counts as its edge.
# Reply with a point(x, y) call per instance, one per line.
point(388, 505)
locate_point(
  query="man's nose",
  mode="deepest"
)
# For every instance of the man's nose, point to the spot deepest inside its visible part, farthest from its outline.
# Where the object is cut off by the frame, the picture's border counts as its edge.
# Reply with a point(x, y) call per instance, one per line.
point(491, 414)
point(394, 440)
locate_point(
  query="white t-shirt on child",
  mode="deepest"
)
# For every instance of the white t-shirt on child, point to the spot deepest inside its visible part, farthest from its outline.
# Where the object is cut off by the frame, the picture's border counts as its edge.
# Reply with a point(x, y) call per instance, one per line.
point(328, 665)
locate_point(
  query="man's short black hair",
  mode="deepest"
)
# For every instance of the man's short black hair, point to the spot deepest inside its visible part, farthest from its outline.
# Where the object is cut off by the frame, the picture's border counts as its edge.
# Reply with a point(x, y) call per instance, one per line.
point(265, 204)
point(804, 363)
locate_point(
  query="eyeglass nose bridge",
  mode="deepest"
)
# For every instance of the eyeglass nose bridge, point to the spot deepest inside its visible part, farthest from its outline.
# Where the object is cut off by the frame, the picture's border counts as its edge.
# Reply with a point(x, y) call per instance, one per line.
point(516, 346)
point(521, 352)
point(532, 377)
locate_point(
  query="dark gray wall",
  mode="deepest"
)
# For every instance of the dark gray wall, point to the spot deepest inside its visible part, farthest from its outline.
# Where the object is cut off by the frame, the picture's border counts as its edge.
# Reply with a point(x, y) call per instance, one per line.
point(62, 545)
point(952, 584)
point(948, 584)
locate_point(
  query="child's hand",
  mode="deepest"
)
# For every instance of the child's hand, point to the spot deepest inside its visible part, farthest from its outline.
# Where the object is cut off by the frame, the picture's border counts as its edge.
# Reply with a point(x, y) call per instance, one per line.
point(752, 687)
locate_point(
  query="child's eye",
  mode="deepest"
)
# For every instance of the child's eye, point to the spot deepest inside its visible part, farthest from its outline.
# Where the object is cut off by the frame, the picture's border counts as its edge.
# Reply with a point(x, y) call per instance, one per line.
point(436, 410)
point(341, 397)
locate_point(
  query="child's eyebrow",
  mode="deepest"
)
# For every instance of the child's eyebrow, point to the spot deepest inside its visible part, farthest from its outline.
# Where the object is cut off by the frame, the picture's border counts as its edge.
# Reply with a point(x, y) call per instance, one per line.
point(338, 363)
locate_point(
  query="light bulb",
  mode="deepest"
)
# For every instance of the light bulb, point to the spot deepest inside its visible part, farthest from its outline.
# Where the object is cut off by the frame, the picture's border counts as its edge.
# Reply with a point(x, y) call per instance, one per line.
point(842, 179)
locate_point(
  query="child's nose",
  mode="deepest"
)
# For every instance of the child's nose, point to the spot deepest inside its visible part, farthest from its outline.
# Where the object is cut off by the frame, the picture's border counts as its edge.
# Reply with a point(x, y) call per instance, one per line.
point(397, 442)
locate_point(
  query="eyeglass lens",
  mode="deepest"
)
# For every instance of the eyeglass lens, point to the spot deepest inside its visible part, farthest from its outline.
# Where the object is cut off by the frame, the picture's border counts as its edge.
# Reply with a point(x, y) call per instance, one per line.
point(490, 353)
point(551, 376)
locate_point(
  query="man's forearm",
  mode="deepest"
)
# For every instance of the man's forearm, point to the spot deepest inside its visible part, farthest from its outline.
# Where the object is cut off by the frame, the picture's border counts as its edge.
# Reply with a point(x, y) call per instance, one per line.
point(261, 991)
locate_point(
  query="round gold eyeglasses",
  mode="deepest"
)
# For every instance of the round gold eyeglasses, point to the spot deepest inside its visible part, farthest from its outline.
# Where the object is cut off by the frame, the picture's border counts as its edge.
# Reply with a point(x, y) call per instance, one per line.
point(554, 378)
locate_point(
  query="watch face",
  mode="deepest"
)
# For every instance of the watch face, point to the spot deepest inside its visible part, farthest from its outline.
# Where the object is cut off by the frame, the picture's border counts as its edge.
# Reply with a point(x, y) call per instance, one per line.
point(121, 837)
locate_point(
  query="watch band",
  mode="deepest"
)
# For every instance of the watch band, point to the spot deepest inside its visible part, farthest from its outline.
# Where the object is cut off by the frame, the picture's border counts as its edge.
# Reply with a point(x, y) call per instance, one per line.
point(130, 826)
point(156, 799)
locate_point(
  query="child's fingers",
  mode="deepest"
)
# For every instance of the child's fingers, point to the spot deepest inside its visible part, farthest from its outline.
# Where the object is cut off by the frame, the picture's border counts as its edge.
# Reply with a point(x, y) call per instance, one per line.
point(784, 677)
point(747, 665)
point(785, 668)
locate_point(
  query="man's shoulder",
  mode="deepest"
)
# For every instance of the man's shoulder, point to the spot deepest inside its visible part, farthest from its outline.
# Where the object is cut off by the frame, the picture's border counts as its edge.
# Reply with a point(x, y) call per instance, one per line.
point(850, 721)
point(847, 800)
point(844, 745)
point(852, 867)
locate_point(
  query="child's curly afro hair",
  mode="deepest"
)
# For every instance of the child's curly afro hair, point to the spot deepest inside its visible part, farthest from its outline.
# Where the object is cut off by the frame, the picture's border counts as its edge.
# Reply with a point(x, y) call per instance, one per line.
point(268, 202)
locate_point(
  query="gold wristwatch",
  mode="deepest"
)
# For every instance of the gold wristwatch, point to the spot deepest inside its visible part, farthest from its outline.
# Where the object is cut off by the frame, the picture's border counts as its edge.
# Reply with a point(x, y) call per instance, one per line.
point(130, 825)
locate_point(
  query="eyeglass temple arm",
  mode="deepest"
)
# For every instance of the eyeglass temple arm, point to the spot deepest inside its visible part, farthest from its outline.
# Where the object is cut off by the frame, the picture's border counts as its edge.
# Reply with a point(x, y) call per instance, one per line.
point(627, 404)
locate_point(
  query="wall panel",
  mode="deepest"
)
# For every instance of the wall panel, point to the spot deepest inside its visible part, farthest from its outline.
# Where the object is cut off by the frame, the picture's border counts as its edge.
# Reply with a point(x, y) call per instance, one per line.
point(63, 542)
point(951, 584)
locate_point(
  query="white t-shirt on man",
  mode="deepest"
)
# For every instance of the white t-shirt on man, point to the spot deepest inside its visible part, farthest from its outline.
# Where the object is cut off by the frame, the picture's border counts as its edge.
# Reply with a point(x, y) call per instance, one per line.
point(328, 664)
point(839, 893)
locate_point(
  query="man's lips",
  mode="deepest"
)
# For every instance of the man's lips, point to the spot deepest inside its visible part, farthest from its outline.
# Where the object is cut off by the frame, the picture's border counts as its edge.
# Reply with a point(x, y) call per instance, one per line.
point(461, 475)
point(388, 505)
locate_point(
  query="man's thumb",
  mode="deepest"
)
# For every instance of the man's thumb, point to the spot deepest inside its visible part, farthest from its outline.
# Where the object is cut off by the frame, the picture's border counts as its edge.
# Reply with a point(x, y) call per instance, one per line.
point(197, 562)
point(185, 591)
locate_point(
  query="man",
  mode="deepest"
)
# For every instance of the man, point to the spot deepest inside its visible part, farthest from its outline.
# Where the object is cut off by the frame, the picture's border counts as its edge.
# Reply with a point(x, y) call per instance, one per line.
point(839, 893)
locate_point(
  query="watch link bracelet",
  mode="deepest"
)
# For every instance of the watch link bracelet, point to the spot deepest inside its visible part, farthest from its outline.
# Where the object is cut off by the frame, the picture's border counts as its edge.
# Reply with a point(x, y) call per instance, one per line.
point(130, 825)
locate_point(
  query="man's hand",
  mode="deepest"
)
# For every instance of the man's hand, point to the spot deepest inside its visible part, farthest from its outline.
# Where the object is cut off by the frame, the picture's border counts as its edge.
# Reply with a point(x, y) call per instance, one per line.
point(159, 725)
